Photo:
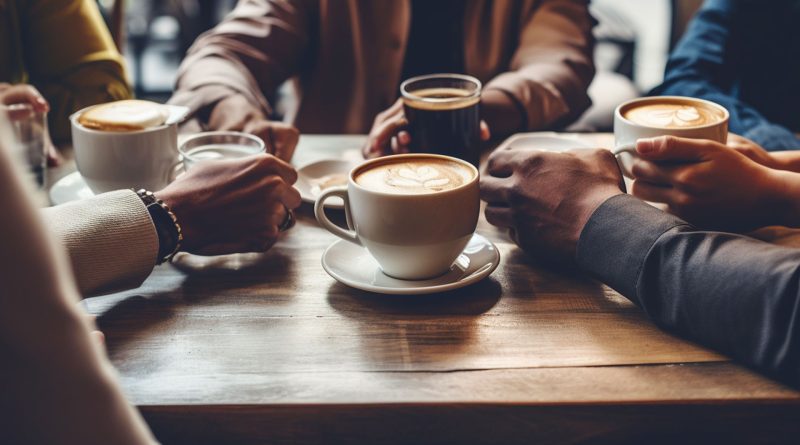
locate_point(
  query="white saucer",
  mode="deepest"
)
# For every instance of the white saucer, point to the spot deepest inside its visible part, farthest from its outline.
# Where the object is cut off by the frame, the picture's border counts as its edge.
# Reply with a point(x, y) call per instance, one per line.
point(352, 265)
point(544, 140)
point(69, 188)
point(312, 179)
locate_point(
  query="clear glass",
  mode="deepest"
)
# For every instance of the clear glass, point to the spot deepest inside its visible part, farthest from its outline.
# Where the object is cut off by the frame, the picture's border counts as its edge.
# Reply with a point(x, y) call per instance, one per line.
point(443, 114)
point(218, 145)
point(30, 130)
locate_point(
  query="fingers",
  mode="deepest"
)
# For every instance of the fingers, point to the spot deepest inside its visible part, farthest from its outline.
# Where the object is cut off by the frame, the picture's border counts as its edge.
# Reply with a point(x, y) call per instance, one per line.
point(501, 163)
point(283, 193)
point(654, 192)
point(499, 216)
point(400, 143)
point(485, 133)
point(24, 94)
point(274, 165)
point(671, 148)
point(282, 140)
point(277, 215)
point(387, 132)
point(494, 190)
point(381, 136)
point(652, 173)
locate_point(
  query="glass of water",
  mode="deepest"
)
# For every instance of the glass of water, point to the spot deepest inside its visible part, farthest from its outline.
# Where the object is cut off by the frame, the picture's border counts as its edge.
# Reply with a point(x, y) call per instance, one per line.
point(30, 130)
point(218, 145)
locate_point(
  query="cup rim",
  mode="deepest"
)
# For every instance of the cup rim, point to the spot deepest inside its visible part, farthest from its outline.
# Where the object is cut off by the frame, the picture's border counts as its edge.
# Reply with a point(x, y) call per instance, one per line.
point(352, 182)
point(725, 113)
point(410, 96)
point(73, 118)
point(262, 147)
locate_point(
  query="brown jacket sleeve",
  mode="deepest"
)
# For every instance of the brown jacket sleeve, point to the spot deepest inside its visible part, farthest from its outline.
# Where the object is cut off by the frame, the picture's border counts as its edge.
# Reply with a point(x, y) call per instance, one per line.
point(258, 46)
point(552, 67)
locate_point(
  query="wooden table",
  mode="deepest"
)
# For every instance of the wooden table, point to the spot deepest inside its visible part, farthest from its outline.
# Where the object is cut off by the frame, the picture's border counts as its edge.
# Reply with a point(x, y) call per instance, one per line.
point(270, 349)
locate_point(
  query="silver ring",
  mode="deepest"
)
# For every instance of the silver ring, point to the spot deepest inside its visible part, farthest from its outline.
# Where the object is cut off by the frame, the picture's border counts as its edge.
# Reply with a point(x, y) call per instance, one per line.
point(288, 220)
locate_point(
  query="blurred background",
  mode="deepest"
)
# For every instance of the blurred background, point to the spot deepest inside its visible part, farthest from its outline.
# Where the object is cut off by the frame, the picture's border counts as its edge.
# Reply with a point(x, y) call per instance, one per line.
point(634, 38)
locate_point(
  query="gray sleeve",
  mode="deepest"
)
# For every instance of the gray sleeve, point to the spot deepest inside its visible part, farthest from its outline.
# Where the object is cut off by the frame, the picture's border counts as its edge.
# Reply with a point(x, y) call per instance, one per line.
point(726, 291)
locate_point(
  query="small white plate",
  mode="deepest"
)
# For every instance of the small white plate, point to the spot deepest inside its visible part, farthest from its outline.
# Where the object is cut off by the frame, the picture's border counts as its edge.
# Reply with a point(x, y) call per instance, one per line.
point(69, 188)
point(544, 140)
point(352, 265)
point(313, 178)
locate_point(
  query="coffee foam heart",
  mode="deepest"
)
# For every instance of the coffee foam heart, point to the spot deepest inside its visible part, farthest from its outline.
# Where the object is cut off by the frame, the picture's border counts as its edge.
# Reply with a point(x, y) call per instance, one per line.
point(417, 176)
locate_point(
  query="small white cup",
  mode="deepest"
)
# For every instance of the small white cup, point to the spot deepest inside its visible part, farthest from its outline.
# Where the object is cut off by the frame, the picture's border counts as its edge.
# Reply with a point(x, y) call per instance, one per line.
point(110, 160)
point(626, 132)
point(412, 237)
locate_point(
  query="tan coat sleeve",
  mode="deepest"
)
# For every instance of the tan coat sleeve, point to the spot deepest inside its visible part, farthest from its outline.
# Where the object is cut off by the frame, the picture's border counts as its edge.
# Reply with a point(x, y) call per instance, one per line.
point(58, 385)
point(71, 58)
point(256, 48)
point(110, 238)
point(552, 68)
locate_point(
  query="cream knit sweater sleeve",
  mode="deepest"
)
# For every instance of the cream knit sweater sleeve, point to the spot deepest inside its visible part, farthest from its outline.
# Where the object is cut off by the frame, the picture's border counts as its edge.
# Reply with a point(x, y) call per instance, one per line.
point(110, 238)
point(58, 386)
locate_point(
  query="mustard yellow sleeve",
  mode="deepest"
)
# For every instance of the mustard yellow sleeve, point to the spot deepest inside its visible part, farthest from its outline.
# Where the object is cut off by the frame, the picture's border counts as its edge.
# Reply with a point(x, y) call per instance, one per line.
point(70, 57)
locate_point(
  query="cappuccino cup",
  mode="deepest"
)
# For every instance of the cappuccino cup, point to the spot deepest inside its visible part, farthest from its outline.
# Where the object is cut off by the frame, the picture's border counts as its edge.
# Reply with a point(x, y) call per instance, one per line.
point(125, 144)
point(650, 117)
point(414, 213)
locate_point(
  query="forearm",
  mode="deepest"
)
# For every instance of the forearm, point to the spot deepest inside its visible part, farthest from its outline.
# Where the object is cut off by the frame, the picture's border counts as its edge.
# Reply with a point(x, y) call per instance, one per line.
point(256, 48)
point(726, 291)
point(62, 388)
point(552, 68)
point(744, 119)
point(90, 84)
point(502, 112)
point(110, 238)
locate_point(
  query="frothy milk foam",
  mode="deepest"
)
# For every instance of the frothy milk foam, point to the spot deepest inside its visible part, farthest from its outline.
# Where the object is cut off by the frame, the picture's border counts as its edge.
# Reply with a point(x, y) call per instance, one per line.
point(414, 176)
point(672, 115)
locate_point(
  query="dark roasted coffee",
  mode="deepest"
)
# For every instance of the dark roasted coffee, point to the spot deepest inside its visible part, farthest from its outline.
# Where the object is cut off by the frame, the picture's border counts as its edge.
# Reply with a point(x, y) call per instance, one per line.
point(444, 118)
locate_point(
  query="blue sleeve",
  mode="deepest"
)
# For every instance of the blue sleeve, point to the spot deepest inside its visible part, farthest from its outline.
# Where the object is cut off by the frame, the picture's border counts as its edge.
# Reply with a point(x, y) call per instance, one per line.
point(729, 292)
point(702, 65)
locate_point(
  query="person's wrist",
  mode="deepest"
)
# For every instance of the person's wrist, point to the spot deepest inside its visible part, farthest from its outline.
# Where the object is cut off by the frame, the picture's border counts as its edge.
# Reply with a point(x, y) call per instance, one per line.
point(782, 192)
point(588, 204)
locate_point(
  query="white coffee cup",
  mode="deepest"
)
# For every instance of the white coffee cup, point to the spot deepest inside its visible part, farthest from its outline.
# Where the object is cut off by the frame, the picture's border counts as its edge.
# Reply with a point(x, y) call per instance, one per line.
point(411, 236)
point(627, 132)
point(113, 160)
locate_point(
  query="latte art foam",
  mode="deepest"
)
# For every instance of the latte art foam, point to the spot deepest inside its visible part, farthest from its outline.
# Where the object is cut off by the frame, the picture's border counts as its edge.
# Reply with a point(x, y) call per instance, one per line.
point(667, 115)
point(414, 177)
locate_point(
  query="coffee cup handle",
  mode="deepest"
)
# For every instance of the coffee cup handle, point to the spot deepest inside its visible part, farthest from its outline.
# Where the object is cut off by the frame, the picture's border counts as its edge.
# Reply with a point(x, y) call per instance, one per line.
point(322, 218)
point(625, 167)
point(625, 148)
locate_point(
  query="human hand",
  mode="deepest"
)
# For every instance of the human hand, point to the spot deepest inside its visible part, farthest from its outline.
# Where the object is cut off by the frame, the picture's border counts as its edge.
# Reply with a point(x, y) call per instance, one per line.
point(707, 183)
point(234, 205)
point(389, 134)
point(545, 198)
point(23, 94)
point(236, 113)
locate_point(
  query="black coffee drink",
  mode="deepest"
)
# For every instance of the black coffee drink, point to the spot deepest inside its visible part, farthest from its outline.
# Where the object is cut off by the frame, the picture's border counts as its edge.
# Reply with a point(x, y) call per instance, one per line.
point(443, 115)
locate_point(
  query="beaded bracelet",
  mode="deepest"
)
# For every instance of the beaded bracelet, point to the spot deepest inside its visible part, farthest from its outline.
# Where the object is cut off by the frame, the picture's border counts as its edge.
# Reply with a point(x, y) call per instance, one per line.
point(149, 199)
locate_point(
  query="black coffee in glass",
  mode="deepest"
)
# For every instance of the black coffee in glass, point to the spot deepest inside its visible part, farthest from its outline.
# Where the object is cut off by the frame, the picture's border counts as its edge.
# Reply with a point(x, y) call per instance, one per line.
point(443, 113)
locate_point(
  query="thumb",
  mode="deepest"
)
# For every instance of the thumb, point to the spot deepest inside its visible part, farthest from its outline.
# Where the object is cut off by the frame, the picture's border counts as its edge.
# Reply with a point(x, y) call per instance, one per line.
point(671, 148)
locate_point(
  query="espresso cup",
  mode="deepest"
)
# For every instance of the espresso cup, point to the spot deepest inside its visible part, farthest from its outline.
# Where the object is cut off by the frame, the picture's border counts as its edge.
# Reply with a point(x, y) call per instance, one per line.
point(650, 117)
point(113, 160)
point(443, 114)
point(414, 213)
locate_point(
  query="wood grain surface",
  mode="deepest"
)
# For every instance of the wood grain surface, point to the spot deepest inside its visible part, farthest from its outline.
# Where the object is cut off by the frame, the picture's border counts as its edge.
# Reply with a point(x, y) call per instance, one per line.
point(270, 349)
